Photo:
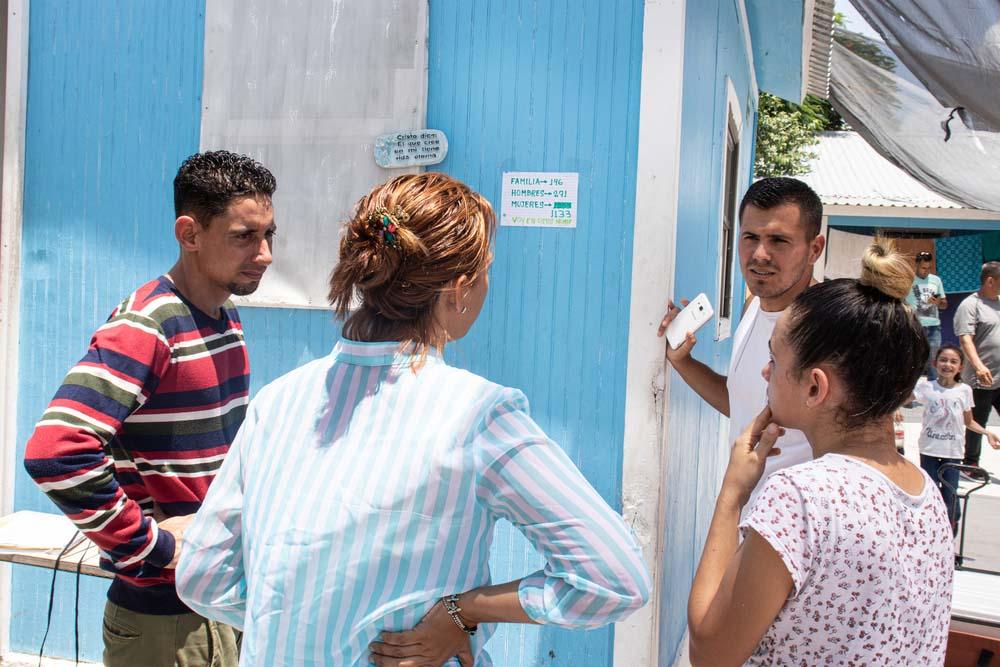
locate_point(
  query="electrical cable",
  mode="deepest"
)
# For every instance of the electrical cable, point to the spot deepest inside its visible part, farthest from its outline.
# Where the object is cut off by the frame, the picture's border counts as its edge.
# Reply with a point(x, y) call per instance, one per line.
point(52, 598)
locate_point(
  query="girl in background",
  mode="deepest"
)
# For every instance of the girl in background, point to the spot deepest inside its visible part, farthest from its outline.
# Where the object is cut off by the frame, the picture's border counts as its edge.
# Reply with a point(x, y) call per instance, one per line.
point(947, 414)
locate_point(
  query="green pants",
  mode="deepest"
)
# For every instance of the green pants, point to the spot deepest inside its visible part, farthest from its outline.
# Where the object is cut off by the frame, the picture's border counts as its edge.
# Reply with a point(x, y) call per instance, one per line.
point(132, 639)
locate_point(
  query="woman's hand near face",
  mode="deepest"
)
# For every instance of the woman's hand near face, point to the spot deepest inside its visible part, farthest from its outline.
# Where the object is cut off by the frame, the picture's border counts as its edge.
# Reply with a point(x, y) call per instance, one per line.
point(434, 641)
point(749, 455)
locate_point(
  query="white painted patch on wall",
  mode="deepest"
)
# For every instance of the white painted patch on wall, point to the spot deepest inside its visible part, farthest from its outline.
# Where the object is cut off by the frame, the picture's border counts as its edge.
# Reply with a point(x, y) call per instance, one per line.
point(306, 88)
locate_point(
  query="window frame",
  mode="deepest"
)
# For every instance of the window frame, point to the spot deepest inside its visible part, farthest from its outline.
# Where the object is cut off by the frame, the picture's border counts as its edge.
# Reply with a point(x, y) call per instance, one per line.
point(732, 174)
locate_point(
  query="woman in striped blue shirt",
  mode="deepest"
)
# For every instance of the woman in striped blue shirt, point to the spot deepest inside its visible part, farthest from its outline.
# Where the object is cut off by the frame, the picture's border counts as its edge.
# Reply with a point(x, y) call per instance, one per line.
point(352, 520)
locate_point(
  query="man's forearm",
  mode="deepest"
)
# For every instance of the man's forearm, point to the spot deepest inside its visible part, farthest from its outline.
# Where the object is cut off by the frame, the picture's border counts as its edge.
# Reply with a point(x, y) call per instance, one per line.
point(969, 348)
point(706, 383)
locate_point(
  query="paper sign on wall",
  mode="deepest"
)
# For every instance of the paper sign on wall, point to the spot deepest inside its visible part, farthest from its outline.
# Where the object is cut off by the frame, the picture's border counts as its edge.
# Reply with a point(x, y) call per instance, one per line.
point(539, 199)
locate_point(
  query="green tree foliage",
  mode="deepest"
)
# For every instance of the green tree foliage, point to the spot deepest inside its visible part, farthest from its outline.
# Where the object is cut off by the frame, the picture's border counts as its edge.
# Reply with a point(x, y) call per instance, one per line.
point(784, 135)
point(786, 131)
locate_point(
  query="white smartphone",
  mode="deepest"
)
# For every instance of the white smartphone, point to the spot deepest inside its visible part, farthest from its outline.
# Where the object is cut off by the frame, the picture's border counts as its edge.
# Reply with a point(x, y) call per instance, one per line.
point(694, 315)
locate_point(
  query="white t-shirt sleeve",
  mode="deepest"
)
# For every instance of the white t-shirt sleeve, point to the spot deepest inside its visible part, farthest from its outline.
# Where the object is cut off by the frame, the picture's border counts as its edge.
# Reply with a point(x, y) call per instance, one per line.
point(920, 391)
point(782, 516)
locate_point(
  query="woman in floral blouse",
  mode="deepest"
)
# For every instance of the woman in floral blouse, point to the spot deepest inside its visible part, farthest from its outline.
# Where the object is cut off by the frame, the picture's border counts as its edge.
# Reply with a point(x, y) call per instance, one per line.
point(846, 559)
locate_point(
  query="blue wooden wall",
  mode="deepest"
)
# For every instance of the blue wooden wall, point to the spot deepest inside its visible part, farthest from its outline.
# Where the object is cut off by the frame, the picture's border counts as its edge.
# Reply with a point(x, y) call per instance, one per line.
point(114, 107)
point(114, 95)
point(549, 86)
point(696, 453)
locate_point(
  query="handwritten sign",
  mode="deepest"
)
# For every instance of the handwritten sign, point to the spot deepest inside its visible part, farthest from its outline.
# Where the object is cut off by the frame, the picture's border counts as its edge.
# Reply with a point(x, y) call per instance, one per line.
point(410, 148)
point(539, 199)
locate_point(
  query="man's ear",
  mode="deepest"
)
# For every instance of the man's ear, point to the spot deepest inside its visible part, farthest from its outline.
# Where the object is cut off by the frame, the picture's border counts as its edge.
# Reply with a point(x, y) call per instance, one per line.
point(819, 387)
point(186, 231)
point(816, 248)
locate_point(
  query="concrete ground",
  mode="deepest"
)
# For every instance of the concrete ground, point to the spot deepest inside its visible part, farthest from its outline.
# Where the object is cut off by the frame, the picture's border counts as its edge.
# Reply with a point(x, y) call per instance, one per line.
point(982, 524)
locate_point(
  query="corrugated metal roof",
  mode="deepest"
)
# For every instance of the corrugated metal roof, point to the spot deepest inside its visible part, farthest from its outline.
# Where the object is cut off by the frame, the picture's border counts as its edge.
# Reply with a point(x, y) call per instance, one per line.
point(818, 80)
point(848, 171)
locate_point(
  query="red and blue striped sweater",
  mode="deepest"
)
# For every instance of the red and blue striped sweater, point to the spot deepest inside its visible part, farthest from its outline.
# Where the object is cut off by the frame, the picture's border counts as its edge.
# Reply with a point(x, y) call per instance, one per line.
point(143, 421)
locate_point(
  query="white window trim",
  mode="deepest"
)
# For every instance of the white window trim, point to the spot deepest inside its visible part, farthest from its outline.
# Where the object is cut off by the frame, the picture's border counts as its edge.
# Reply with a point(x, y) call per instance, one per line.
point(733, 110)
point(14, 101)
point(647, 388)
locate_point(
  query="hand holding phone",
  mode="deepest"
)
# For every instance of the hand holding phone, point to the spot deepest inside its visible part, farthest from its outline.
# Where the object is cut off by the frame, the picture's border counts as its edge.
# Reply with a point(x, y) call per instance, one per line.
point(691, 318)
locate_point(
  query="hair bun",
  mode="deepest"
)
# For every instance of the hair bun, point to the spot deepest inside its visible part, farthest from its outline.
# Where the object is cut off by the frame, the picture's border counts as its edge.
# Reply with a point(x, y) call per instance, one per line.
point(886, 270)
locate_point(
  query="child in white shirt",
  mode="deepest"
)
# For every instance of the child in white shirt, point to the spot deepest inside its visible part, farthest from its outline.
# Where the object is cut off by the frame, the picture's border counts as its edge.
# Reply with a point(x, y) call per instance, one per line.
point(947, 414)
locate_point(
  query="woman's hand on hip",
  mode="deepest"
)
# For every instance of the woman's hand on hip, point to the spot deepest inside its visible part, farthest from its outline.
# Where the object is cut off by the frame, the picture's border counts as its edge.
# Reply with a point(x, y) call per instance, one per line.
point(749, 455)
point(434, 641)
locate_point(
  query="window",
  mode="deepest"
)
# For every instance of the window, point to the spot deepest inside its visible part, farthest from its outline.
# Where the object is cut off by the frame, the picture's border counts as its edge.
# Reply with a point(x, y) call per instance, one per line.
point(731, 186)
point(729, 195)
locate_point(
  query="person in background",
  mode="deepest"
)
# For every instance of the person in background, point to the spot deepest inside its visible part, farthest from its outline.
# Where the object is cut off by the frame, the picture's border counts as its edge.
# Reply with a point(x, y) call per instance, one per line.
point(846, 559)
point(947, 415)
point(927, 297)
point(140, 426)
point(977, 325)
point(352, 521)
point(779, 243)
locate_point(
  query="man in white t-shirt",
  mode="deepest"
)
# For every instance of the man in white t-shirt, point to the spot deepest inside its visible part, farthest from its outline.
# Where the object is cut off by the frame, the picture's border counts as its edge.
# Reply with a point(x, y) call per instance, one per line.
point(779, 242)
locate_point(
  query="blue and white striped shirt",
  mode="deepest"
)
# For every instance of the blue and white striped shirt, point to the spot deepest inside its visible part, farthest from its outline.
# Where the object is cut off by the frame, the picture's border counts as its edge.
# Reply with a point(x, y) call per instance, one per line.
point(358, 492)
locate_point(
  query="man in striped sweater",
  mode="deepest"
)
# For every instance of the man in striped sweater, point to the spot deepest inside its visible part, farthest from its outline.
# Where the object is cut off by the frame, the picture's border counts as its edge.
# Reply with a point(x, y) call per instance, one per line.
point(140, 426)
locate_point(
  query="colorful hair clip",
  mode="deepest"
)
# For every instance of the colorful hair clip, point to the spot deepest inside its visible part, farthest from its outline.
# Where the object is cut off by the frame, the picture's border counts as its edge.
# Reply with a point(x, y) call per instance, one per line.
point(387, 224)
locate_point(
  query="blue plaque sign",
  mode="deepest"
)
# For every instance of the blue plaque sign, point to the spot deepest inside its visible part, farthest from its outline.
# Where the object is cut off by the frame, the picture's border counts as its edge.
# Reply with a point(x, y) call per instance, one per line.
point(410, 148)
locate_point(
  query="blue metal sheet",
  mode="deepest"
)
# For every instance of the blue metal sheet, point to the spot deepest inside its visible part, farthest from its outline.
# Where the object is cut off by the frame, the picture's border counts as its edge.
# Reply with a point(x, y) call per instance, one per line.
point(517, 86)
point(776, 31)
point(696, 455)
point(114, 91)
point(549, 86)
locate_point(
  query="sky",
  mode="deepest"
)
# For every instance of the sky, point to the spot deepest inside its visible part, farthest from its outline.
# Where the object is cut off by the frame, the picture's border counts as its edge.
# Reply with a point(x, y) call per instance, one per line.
point(853, 19)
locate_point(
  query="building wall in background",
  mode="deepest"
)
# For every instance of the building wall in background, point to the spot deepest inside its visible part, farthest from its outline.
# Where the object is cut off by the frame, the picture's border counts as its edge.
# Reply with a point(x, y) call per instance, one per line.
point(114, 107)
point(114, 96)
point(715, 48)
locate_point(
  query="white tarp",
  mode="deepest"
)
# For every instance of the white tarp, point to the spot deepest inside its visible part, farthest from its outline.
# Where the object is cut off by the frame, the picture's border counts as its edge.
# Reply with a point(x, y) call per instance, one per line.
point(898, 117)
point(844, 251)
point(952, 46)
point(305, 86)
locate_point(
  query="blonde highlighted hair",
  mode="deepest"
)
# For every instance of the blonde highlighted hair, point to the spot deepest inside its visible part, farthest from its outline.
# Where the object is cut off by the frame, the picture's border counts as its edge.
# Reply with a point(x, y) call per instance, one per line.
point(446, 232)
point(885, 269)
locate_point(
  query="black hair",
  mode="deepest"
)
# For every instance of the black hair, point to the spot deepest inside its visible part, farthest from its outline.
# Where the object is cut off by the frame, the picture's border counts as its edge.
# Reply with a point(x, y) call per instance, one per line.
point(866, 332)
point(954, 348)
point(768, 193)
point(207, 182)
point(990, 270)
